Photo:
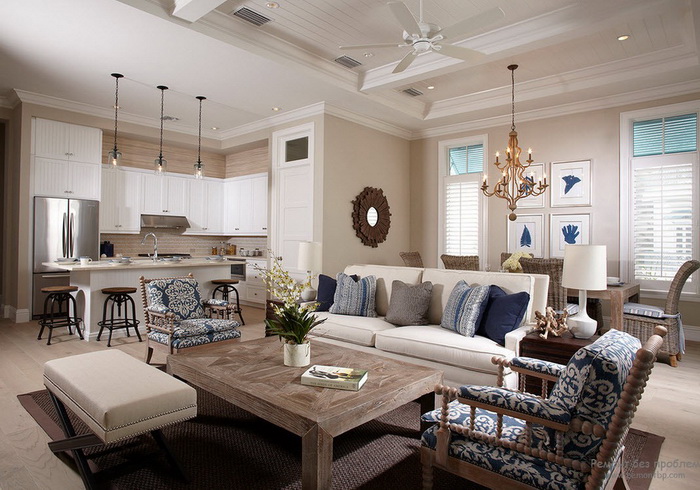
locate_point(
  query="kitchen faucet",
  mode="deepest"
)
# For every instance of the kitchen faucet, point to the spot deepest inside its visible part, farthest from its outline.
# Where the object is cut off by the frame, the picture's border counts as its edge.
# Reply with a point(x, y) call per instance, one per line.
point(155, 244)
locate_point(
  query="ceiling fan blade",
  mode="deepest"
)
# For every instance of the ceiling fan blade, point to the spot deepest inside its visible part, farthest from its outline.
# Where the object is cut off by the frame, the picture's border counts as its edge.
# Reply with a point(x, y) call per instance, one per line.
point(472, 23)
point(458, 52)
point(405, 17)
point(405, 62)
point(374, 46)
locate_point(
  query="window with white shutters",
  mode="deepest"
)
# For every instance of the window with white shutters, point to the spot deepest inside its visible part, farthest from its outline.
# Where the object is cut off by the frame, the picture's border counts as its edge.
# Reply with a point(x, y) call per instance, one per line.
point(462, 221)
point(662, 200)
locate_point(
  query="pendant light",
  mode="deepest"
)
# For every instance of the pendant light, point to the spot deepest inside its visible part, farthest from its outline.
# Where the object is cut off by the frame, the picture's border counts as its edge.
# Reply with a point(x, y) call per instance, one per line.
point(115, 156)
point(161, 164)
point(199, 166)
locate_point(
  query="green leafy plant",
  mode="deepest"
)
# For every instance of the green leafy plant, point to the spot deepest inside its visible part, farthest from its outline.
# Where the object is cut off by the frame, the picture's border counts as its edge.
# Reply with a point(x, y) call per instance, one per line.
point(293, 321)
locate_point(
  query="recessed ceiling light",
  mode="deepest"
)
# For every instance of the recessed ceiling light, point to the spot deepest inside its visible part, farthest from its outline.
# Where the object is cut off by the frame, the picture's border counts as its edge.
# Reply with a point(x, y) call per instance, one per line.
point(623, 37)
point(368, 55)
point(214, 128)
point(276, 109)
point(430, 87)
point(272, 5)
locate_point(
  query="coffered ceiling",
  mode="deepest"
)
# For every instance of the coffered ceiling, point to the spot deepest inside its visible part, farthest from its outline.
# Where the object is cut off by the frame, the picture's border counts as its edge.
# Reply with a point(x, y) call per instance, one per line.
point(61, 52)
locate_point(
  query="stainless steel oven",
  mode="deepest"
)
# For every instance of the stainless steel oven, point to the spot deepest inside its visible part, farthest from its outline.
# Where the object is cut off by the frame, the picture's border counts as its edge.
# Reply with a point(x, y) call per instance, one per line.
point(238, 269)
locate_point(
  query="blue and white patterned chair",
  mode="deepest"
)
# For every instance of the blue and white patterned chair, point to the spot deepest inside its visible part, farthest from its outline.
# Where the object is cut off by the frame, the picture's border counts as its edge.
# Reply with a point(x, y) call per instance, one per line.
point(178, 318)
point(503, 438)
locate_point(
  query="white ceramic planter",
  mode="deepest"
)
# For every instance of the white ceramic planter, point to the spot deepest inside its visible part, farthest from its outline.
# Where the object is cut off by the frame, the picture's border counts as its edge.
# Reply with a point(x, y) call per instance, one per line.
point(297, 355)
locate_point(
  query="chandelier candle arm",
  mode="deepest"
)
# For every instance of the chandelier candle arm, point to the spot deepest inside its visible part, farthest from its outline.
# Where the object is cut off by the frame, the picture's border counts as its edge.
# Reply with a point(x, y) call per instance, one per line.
point(514, 184)
point(114, 156)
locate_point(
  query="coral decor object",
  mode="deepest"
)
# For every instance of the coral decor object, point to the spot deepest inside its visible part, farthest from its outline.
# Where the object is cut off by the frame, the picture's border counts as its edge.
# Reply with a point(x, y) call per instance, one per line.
point(512, 263)
point(551, 322)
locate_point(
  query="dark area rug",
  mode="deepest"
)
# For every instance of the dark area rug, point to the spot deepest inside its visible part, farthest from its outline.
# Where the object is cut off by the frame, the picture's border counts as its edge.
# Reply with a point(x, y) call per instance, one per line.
point(226, 447)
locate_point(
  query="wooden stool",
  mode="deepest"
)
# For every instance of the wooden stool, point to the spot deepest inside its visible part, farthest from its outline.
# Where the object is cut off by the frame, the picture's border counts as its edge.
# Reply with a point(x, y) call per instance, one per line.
point(118, 397)
point(118, 297)
point(226, 286)
point(57, 297)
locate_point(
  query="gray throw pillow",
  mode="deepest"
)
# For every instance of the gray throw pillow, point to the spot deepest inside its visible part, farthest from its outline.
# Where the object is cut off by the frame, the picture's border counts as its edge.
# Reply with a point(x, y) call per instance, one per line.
point(354, 297)
point(409, 303)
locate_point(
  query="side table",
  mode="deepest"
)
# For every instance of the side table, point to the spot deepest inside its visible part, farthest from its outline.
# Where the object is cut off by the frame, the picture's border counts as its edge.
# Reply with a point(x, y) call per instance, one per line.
point(552, 349)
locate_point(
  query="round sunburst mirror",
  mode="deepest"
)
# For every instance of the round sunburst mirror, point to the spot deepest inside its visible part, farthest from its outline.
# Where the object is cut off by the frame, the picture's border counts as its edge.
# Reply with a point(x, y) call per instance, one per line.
point(371, 218)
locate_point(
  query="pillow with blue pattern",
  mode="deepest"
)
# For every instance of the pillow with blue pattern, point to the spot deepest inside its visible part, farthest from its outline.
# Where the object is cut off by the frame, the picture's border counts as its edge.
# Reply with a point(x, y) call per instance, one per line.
point(326, 291)
point(465, 308)
point(354, 297)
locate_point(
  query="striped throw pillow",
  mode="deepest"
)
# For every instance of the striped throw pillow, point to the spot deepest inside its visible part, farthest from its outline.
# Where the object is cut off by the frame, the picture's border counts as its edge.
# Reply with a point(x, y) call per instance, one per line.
point(464, 308)
point(354, 297)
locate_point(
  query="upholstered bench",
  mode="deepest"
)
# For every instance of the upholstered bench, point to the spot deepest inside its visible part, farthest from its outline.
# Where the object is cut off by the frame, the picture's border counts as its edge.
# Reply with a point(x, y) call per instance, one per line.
point(117, 397)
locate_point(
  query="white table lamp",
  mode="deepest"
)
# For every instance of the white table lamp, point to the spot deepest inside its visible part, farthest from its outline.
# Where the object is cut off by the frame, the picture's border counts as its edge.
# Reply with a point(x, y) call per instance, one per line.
point(585, 268)
point(309, 260)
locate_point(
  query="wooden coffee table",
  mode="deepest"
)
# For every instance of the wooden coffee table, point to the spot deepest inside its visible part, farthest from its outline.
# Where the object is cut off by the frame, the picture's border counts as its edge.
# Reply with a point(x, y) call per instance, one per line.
point(252, 376)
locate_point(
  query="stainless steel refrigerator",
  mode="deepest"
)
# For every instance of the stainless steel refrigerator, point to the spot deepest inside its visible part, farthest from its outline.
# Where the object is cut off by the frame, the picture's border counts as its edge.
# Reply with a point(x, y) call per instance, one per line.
point(63, 228)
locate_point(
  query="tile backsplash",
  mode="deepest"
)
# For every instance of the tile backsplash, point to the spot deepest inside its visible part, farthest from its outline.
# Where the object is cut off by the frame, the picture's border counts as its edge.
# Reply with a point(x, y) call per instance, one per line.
point(172, 241)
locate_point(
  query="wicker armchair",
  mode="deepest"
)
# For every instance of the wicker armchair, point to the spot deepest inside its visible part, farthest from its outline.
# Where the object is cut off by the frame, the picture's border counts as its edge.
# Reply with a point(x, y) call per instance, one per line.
point(411, 259)
point(177, 318)
point(461, 262)
point(556, 296)
point(641, 320)
point(503, 438)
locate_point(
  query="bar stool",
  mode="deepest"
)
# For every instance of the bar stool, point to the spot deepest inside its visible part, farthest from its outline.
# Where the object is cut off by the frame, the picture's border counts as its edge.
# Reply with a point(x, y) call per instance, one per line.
point(120, 298)
point(225, 287)
point(59, 296)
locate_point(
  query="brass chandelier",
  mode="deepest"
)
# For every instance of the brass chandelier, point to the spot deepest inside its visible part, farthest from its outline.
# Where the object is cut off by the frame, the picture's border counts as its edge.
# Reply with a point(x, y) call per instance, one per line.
point(514, 184)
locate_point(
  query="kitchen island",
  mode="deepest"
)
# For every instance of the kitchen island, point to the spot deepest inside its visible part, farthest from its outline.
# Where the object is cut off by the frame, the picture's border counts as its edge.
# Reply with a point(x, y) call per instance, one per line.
point(92, 278)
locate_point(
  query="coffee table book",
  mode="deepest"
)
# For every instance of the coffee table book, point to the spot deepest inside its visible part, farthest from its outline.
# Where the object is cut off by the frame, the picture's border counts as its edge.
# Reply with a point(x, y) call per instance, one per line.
point(334, 377)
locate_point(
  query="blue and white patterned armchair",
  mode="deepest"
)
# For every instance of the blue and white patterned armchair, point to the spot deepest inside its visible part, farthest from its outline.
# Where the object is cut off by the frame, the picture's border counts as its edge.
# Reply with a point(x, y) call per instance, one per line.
point(573, 439)
point(177, 317)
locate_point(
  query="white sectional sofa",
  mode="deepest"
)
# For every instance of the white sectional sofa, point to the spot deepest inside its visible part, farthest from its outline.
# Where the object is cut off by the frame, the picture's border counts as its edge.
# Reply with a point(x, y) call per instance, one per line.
point(464, 360)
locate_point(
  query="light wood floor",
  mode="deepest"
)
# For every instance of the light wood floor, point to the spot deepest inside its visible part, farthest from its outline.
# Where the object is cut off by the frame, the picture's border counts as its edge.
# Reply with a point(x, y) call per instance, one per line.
point(670, 407)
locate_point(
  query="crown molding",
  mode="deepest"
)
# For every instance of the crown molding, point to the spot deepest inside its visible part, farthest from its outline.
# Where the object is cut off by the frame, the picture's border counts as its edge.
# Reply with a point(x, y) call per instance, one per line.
point(91, 110)
point(638, 96)
point(10, 101)
point(613, 72)
point(272, 121)
point(369, 122)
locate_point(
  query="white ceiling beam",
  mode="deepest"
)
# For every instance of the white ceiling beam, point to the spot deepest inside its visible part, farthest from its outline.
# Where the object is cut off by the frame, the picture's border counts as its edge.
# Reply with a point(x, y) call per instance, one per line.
point(193, 10)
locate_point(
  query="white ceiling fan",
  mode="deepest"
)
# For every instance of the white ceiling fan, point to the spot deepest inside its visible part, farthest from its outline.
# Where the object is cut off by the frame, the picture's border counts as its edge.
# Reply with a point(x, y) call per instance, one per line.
point(423, 37)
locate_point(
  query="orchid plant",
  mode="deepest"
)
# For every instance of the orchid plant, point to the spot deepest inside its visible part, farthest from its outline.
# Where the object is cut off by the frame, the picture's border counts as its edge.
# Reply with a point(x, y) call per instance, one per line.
point(293, 320)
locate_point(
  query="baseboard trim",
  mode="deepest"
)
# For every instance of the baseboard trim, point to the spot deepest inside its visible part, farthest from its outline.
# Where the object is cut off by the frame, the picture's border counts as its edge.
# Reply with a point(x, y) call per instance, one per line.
point(692, 333)
point(22, 316)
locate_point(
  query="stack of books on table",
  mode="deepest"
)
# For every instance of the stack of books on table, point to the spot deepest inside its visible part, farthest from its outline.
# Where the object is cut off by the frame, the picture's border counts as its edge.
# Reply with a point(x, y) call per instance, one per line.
point(334, 377)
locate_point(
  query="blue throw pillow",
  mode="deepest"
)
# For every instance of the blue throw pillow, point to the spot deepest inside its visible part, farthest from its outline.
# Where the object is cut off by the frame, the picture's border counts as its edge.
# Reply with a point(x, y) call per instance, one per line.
point(354, 298)
point(326, 291)
point(465, 308)
point(503, 314)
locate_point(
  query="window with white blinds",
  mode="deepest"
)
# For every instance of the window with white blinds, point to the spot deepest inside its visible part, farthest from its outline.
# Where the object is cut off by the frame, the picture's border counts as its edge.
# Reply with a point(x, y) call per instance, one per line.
point(662, 218)
point(462, 218)
point(662, 204)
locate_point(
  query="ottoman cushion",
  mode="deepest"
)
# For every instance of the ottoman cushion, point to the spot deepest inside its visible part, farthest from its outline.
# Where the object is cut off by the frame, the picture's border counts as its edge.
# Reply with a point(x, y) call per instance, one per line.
point(118, 396)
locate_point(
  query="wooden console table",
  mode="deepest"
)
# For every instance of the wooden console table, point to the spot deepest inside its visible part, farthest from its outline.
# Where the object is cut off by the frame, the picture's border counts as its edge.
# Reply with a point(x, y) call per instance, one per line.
point(618, 296)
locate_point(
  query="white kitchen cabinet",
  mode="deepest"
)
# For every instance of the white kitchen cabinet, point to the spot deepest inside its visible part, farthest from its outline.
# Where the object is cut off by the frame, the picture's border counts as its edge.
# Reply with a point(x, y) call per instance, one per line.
point(164, 194)
point(205, 207)
point(246, 205)
point(255, 291)
point(66, 160)
point(62, 178)
point(62, 141)
point(120, 206)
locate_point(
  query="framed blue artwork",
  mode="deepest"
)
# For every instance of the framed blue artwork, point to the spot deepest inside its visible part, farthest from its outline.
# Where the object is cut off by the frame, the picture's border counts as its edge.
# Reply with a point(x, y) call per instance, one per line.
point(568, 229)
point(526, 234)
point(571, 184)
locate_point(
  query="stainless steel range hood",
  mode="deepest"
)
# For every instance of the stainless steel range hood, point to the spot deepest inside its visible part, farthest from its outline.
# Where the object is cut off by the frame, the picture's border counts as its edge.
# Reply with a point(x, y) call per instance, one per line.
point(160, 221)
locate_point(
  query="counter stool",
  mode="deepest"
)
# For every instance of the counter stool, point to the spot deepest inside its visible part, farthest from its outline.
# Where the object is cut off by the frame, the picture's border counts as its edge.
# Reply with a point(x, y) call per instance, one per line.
point(120, 298)
point(225, 287)
point(59, 296)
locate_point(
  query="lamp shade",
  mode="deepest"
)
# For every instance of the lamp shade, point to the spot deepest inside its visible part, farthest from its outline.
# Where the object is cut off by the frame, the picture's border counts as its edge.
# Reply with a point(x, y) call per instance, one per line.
point(309, 256)
point(585, 267)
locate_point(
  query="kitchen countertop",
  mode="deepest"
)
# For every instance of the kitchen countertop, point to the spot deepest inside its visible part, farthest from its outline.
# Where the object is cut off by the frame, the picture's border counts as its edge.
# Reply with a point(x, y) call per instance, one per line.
point(144, 263)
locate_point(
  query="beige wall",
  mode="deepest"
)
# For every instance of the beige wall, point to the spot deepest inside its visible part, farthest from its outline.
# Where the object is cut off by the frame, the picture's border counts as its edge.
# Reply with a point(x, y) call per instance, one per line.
point(357, 157)
point(592, 135)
